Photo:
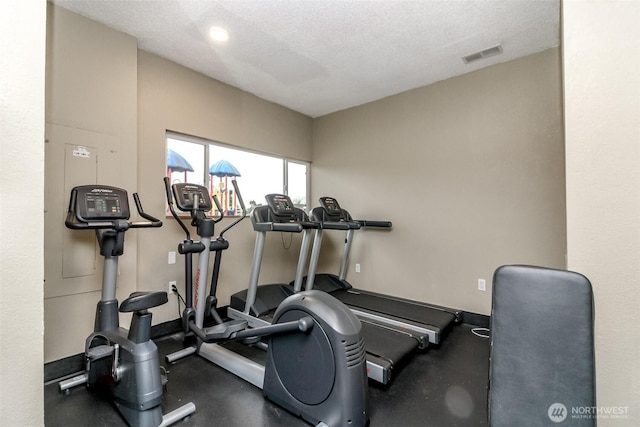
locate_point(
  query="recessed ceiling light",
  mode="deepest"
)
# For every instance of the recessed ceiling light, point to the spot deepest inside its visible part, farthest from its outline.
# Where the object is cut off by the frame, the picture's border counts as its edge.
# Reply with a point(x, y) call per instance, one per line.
point(218, 34)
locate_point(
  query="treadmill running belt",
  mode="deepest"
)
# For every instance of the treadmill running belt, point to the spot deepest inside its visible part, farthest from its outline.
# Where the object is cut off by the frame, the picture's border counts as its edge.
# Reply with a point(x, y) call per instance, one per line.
point(413, 312)
point(387, 344)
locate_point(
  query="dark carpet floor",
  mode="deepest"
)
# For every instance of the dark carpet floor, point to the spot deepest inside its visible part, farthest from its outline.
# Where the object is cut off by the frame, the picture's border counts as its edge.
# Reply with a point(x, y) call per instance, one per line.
point(442, 386)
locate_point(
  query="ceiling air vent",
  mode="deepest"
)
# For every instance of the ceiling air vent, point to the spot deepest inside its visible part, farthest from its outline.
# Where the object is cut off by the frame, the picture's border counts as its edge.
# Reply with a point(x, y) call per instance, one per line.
point(491, 51)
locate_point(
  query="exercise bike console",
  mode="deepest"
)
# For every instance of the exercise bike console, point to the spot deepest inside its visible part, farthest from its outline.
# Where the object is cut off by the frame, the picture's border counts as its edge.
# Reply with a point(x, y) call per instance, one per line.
point(101, 203)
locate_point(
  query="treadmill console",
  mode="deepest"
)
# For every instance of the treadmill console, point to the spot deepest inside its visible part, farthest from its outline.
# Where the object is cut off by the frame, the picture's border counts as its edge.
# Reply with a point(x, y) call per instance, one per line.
point(101, 203)
point(281, 207)
point(187, 194)
point(332, 209)
point(331, 205)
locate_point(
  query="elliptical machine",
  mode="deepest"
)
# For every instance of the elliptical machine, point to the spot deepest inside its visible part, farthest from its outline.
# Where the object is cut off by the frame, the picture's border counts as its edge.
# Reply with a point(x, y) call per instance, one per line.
point(315, 365)
point(124, 363)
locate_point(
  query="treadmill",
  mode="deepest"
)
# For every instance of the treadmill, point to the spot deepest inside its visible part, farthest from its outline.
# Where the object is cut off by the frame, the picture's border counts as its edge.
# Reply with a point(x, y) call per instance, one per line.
point(419, 317)
point(258, 303)
point(386, 347)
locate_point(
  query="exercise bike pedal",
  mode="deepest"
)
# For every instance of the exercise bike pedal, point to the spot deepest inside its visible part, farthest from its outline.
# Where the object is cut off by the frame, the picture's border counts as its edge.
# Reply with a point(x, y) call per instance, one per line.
point(164, 378)
point(99, 352)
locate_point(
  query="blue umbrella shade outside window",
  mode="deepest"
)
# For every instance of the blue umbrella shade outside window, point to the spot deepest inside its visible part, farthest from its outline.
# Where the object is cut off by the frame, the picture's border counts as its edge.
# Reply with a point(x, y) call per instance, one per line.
point(177, 163)
point(224, 169)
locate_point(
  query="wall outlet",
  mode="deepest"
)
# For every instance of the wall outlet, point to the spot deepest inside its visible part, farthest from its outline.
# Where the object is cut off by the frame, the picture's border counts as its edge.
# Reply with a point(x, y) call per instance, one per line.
point(172, 258)
point(357, 268)
point(172, 286)
point(482, 285)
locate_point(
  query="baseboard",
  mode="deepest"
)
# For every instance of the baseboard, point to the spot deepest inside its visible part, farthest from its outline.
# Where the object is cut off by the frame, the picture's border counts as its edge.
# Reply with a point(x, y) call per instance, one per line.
point(63, 367)
point(475, 319)
point(166, 328)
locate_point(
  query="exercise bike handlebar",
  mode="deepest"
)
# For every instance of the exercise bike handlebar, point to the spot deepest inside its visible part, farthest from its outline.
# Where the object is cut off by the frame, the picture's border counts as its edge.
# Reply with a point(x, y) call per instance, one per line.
point(151, 220)
point(73, 221)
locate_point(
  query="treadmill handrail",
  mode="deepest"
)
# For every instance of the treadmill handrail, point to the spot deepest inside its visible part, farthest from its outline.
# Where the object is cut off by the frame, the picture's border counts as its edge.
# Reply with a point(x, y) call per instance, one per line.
point(374, 224)
point(338, 225)
point(287, 227)
point(307, 225)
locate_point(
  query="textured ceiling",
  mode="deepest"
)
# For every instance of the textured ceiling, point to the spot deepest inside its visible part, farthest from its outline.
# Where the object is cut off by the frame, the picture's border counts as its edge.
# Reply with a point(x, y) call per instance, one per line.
point(321, 56)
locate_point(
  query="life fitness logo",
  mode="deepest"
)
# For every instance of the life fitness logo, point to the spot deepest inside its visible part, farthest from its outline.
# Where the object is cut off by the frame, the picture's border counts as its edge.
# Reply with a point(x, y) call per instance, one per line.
point(557, 412)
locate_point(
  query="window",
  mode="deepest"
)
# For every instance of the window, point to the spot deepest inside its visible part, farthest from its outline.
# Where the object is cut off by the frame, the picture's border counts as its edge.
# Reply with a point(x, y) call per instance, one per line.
point(191, 159)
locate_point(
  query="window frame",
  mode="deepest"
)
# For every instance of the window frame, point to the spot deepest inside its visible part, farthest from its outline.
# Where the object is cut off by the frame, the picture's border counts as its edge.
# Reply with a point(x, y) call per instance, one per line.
point(207, 143)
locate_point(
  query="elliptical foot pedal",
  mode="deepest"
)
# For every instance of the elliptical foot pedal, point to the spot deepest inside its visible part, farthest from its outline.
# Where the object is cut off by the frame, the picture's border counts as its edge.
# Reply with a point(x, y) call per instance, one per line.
point(224, 330)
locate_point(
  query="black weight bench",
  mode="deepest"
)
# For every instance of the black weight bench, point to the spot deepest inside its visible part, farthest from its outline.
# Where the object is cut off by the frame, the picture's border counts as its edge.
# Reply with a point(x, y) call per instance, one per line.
point(542, 366)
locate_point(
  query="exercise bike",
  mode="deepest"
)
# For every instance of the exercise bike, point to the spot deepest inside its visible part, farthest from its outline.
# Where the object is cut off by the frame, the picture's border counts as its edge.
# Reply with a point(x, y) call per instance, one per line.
point(315, 366)
point(123, 363)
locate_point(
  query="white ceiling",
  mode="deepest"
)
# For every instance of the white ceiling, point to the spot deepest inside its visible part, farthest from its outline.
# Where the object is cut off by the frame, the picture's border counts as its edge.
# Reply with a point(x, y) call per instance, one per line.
point(321, 56)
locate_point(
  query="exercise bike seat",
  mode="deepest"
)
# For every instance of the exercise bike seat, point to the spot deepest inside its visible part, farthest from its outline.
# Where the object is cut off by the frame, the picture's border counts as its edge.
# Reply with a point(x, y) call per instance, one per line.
point(139, 301)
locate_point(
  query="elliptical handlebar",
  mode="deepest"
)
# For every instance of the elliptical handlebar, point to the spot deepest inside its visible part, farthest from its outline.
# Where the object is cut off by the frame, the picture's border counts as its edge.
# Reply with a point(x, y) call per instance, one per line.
point(167, 187)
point(242, 207)
point(219, 207)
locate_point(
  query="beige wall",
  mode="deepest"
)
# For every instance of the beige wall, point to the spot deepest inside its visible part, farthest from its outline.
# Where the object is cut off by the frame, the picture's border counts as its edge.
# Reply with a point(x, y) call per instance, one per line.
point(601, 51)
point(22, 82)
point(103, 92)
point(91, 101)
point(171, 97)
point(470, 170)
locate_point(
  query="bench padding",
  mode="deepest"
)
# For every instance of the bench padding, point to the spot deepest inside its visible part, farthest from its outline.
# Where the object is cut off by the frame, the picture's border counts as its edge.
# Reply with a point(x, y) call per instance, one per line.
point(542, 348)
